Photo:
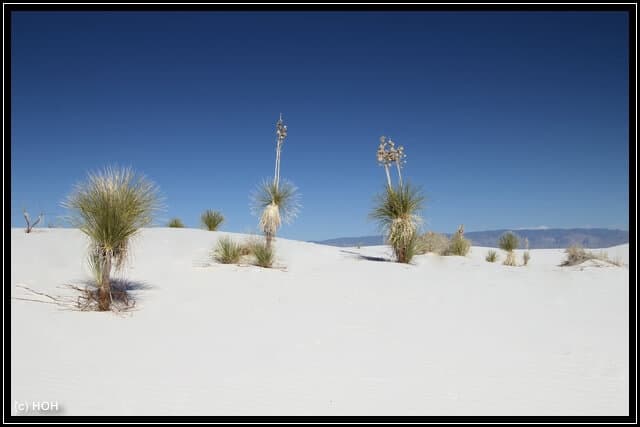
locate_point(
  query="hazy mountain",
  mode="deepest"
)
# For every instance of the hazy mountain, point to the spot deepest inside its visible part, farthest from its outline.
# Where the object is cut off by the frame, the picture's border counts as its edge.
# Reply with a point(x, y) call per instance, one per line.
point(538, 239)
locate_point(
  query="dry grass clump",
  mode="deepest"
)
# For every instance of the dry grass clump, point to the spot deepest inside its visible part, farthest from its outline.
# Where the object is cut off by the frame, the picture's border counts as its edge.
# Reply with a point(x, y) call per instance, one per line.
point(227, 251)
point(432, 243)
point(576, 254)
point(176, 223)
point(211, 219)
point(247, 247)
point(492, 256)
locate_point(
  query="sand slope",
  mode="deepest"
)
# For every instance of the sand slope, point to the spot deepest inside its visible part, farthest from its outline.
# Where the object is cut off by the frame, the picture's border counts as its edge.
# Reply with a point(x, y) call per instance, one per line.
point(338, 333)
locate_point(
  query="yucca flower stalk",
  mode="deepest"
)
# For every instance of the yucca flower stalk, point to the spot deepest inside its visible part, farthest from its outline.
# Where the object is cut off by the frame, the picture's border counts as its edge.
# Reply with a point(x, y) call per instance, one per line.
point(391, 155)
point(110, 208)
point(281, 132)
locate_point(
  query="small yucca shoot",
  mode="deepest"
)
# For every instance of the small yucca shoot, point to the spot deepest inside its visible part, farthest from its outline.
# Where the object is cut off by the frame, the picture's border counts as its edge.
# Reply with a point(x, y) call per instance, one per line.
point(227, 251)
point(492, 256)
point(176, 223)
point(211, 220)
point(264, 255)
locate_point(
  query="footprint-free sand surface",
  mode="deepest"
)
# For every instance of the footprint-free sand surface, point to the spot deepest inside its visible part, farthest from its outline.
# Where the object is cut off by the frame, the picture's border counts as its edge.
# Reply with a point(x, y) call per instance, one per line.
point(339, 331)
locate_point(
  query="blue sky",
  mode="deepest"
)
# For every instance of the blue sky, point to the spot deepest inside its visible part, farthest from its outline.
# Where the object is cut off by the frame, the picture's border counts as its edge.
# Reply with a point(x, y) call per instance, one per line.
point(509, 120)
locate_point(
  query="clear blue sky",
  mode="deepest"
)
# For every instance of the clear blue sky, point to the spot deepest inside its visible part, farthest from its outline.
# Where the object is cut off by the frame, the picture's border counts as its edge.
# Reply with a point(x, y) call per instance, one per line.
point(509, 120)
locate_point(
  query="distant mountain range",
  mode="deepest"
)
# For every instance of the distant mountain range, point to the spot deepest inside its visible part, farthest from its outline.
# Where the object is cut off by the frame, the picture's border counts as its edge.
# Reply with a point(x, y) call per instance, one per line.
point(538, 239)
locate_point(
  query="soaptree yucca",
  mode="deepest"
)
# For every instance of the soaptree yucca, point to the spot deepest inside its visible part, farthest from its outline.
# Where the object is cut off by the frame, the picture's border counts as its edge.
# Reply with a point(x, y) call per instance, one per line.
point(211, 219)
point(275, 202)
point(509, 242)
point(176, 223)
point(396, 211)
point(110, 207)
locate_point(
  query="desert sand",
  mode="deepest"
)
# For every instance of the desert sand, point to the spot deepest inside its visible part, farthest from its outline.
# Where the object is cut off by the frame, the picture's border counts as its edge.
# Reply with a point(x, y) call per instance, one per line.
point(339, 331)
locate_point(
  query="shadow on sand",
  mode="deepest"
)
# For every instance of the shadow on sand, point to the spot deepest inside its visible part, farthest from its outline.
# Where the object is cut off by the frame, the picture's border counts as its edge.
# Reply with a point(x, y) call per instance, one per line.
point(365, 257)
point(122, 285)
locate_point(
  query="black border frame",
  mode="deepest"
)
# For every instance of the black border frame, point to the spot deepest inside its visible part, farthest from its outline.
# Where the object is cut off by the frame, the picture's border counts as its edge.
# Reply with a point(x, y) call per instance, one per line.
point(630, 8)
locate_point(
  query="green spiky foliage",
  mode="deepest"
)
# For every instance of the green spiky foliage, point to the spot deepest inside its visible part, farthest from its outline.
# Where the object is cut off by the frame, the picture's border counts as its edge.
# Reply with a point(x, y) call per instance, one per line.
point(263, 254)
point(211, 219)
point(176, 223)
point(508, 241)
point(227, 251)
point(396, 212)
point(110, 207)
point(492, 256)
point(275, 203)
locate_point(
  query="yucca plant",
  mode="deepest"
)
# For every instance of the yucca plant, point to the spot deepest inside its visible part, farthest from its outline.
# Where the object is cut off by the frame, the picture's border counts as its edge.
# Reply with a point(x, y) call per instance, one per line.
point(175, 223)
point(278, 204)
point(227, 251)
point(275, 202)
point(211, 219)
point(263, 254)
point(396, 211)
point(458, 245)
point(492, 256)
point(110, 208)
point(508, 242)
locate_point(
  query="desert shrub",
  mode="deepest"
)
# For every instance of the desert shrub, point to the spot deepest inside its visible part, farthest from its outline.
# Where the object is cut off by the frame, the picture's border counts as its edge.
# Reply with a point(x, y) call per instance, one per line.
point(175, 223)
point(110, 208)
point(492, 256)
point(211, 219)
point(458, 245)
point(576, 254)
point(263, 254)
point(508, 241)
point(432, 242)
point(396, 211)
point(227, 251)
point(526, 257)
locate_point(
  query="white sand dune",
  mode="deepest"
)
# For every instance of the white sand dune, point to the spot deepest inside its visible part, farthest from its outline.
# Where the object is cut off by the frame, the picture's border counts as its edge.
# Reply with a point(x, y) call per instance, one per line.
point(339, 332)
